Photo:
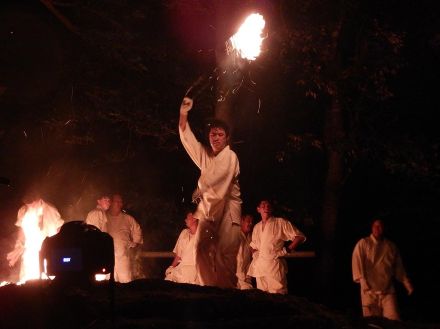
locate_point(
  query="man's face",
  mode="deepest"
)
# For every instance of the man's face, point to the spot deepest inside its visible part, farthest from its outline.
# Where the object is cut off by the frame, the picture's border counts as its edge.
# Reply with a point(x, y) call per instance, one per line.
point(264, 208)
point(218, 139)
point(190, 220)
point(104, 202)
point(377, 229)
point(116, 204)
point(247, 223)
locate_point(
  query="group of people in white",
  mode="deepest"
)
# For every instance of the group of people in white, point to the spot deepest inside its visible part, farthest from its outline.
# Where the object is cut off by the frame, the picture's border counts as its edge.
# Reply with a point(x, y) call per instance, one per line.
point(224, 254)
point(225, 257)
point(109, 217)
point(219, 246)
point(38, 219)
point(259, 253)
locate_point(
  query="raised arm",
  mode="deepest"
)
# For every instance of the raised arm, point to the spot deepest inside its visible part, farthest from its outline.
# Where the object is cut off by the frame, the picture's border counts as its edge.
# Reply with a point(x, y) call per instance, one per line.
point(185, 107)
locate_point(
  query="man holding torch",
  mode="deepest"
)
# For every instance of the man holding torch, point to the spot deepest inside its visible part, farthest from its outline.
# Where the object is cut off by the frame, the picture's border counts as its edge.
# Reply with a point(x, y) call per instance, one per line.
point(219, 202)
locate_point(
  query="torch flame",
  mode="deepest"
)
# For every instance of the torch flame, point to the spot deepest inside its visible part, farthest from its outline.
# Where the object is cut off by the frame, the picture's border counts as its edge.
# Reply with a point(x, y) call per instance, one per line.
point(247, 41)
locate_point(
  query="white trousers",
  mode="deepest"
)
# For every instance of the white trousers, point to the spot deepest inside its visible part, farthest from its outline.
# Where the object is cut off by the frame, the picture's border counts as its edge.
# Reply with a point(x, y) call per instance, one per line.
point(123, 271)
point(216, 253)
point(384, 305)
point(272, 285)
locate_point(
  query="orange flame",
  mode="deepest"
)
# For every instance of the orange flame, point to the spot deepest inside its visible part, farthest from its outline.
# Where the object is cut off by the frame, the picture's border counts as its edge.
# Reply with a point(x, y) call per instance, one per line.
point(37, 220)
point(30, 268)
point(247, 41)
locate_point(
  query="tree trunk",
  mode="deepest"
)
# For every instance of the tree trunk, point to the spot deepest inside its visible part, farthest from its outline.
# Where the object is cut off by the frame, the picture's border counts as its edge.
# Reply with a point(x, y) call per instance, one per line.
point(333, 137)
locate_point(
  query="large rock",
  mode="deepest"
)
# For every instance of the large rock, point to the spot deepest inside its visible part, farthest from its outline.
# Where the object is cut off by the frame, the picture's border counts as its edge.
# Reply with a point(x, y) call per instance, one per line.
point(162, 304)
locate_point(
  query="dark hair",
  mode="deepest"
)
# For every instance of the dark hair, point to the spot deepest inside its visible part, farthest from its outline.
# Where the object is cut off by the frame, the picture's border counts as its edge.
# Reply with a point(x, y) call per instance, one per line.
point(188, 208)
point(216, 123)
point(377, 218)
point(244, 215)
point(270, 200)
point(102, 194)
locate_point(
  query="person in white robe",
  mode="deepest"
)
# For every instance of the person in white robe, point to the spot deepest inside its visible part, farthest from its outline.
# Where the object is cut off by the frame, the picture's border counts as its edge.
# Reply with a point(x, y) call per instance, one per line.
point(376, 262)
point(244, 256)
point(268, 239)
point(219, 202)
point(36, 220)
point(127, 235)
point(98, 216)
point(183, 267)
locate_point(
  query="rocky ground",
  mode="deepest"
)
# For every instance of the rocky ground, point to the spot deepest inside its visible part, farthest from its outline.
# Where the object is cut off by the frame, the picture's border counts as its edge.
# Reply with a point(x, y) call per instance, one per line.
point(161, 304)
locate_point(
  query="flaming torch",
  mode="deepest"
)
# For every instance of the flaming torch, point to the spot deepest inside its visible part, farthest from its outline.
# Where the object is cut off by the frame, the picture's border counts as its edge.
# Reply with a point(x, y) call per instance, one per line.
point(245, 44)
point(248, 39)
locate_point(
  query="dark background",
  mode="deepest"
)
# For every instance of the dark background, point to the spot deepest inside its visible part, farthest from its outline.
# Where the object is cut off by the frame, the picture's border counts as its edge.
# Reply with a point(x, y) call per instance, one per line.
point(96, 109)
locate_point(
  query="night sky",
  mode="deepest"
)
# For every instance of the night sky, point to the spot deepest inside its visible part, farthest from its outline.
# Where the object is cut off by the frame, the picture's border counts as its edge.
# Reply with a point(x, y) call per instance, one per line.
point(89, 102)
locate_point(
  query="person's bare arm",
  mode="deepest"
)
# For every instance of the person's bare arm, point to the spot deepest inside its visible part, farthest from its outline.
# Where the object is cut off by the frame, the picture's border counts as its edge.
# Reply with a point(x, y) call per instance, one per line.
point(176, 261)
point(295, 243)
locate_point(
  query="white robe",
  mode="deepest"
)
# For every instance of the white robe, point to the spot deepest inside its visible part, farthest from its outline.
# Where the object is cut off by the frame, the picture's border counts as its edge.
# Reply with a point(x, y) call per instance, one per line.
point(185, 271)
point(269, 246)
point(374, 265)
point(98, 218)
point(219, 212)
point(126, 234)
point(218, 182)
point(244, 258)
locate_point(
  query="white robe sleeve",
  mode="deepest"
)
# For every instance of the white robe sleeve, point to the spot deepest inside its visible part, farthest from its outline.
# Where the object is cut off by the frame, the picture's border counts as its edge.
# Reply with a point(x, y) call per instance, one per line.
point(178, 248)
point(193, 147)
point(357, 263)
point(97, 218)
point(136, 232)
point(255, 242)
point(289, 232)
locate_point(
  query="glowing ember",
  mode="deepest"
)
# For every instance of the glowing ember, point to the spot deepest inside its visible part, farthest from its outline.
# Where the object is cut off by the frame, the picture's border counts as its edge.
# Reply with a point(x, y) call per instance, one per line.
point(247, 41)
point(101, 277)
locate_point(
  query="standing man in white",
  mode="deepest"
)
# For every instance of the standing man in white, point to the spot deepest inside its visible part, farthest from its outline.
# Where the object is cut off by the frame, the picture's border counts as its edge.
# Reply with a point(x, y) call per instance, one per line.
point(98, 216)
point(126, 234)
point(219, 207)
point(376, 262)
point(268, 238)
